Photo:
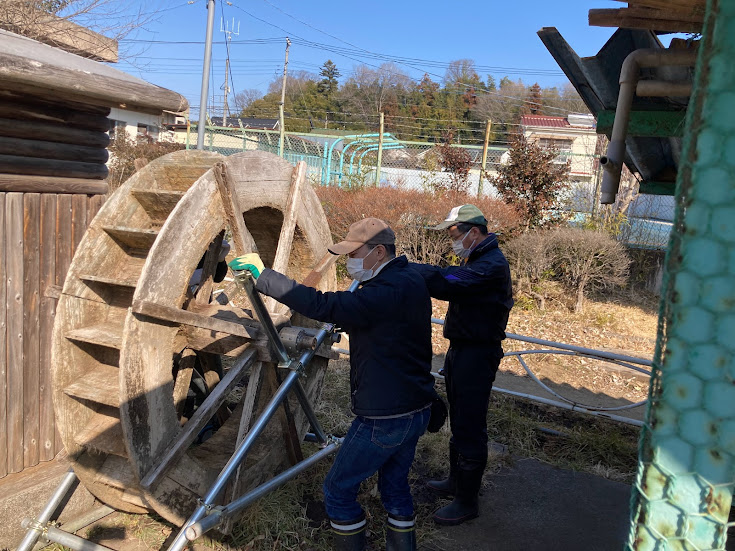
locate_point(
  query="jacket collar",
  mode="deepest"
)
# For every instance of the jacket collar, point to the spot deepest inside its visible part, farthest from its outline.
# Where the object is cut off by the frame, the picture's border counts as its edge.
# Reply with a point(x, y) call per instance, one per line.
point(489, 243)
point(393, 264)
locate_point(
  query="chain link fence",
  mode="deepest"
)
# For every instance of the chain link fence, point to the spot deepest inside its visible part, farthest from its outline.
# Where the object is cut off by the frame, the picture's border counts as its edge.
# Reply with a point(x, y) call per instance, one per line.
point(351, 161)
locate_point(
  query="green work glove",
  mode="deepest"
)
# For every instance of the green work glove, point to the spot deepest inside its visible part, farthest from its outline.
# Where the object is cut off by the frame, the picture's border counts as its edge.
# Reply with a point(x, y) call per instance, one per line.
point(250, 262)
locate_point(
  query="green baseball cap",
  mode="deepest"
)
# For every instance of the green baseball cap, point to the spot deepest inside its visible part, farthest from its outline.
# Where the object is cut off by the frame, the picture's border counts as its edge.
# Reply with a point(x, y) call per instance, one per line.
point(467, 214)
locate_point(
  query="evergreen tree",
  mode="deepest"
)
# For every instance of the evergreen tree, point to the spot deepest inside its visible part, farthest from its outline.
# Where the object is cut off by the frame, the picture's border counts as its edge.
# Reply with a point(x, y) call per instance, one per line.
point(329, 73)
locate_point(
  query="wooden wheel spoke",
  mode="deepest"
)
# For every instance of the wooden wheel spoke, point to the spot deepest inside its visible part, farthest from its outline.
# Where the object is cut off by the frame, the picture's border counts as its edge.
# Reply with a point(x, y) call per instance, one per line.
point(209, 267)
point(242, 240)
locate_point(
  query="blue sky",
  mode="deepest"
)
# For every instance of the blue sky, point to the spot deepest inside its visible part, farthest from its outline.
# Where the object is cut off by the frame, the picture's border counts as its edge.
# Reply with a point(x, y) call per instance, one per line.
point(499, 36)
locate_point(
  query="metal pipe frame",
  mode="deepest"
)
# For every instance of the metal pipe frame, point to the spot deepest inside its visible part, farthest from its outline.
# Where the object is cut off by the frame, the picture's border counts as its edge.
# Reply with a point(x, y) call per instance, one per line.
point(221, 514)
point(612, 161)
point(375, 148)
point(292, 380)
point(36, 527)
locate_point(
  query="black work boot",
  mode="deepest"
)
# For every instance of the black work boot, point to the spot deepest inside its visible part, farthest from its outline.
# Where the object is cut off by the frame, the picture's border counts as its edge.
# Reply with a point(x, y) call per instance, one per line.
point(448, 486)
point(349, 535)
point(464, 507)
point(400, 534)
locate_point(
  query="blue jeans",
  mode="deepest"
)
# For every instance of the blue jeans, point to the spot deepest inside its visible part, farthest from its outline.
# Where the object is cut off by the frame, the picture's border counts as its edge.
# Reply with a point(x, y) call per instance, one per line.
point(385, 446)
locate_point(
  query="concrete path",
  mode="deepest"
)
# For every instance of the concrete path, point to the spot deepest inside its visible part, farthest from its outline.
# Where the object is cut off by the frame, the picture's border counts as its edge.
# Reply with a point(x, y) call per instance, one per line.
point(536, 507)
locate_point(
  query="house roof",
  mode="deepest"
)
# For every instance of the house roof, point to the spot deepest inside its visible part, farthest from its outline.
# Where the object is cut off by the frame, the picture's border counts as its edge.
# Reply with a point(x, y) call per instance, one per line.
point(29, 67)
point(545, 121)
point(247, 122)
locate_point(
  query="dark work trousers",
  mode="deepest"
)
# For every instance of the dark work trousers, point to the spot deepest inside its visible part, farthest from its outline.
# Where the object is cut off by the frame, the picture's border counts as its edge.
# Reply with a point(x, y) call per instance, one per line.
point(469, 372)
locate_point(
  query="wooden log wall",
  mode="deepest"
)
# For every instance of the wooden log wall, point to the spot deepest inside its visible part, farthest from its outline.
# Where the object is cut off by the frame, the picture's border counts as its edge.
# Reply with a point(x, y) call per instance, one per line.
point(49, 137)
point(39, 233)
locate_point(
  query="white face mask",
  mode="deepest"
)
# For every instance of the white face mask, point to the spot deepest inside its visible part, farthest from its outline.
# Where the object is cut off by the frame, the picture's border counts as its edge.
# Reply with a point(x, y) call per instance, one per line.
point(356, 268)
point(459, 248)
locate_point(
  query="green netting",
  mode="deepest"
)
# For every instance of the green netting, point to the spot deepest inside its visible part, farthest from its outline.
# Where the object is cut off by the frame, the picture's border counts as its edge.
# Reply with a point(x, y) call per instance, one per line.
point(683, 492)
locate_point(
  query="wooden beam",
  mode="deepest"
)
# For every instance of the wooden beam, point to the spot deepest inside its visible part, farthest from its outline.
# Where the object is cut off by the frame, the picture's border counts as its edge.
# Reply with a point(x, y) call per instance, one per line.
point(242, 240)
point(52, 150)
point(288, 229)
point(203, 321)
point(13, 164)
point(178, 445)
point(53, 132)
point(657, 188)
point(685, 6)
point(51, 184)
point(624, 19)
point(316, 275)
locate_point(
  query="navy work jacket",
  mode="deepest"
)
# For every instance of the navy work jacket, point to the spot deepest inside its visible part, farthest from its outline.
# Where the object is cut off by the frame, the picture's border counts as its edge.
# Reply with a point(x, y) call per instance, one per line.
point(388, 319)
point(479, 292)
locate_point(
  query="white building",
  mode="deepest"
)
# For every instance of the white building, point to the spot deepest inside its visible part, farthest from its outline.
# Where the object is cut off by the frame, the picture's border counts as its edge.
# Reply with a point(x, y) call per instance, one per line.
point(143, 126)
point(574, 136)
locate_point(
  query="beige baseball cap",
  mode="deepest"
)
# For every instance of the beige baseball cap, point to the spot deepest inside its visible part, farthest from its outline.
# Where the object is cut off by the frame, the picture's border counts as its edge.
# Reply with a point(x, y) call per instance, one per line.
point(370, 231)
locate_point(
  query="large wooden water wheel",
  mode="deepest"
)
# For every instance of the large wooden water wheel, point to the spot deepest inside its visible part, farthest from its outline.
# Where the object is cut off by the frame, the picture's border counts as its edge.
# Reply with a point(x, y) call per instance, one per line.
point(143, 364)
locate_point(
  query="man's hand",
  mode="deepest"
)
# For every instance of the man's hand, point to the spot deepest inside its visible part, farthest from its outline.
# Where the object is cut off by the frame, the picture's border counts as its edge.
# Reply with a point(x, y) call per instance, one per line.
point(250, 262)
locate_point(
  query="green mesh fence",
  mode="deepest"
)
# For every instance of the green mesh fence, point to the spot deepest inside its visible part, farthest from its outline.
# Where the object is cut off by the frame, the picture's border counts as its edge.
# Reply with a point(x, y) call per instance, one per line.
point(351, 162)
point(683, 492)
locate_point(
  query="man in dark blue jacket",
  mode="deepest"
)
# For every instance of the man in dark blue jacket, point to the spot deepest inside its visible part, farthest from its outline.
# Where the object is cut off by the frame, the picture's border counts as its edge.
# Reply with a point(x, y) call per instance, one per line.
point(388, 319)
point(480, 298)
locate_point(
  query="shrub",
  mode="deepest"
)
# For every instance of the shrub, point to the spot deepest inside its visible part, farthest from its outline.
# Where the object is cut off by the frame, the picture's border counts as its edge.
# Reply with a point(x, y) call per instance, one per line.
point(588, 260)
point(124, 151)
point(410, 213)
point(582, 260)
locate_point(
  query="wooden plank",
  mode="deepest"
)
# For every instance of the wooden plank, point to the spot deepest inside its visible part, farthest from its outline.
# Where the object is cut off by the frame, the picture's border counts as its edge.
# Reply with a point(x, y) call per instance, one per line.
point(316, 275)
point(51, 184)
point(133, 238)
point(649, 124)
point(108, 335)
point(685, 6)
point(94, 206)
point(52, 150)
point(183, 379)
point(202, 320)
point(78, 220)
point(182, 441)
point(102, 434)
point(32, 109)
point(64, 245)
point(53, 133)
point(158, 204)
point(3, 341)
point(15, 164)
point(100, 385)
point(620, 18)
point(31, 348)
point(14, 298)
point(243, 242)
point(129, 283)
point(47, 262)
point(288, 228)
point(209, 266)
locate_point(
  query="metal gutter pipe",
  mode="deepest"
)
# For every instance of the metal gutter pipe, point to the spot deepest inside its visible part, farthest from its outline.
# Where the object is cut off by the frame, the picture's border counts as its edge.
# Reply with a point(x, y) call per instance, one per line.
point(612, 162)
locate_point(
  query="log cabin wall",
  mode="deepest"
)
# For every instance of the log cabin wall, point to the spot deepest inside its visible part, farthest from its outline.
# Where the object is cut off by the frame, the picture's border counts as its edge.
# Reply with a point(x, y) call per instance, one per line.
point(52, 165)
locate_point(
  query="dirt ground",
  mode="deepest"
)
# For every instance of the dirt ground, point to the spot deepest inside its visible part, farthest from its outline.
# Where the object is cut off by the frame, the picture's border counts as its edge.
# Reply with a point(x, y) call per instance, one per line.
point(624, 325)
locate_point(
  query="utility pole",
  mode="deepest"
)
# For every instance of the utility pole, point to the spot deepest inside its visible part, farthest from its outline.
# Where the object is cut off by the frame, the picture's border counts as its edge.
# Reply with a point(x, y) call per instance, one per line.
point(380, 151)
point(205, 75)
point(282, 122)
point(225, 28)
point(488, 124)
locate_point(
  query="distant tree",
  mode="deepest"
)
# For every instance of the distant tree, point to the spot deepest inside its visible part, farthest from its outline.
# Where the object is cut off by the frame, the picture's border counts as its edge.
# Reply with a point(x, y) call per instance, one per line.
point(461, 71)
point(490, 83)
point(245, 98)
point(330, 74)
point(456, 162)
point(531, 181)
point(534, 103)
point(37, 18)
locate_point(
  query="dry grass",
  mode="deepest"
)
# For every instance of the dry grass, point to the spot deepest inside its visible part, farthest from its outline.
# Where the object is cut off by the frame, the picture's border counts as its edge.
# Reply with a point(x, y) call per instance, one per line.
point(294, 518)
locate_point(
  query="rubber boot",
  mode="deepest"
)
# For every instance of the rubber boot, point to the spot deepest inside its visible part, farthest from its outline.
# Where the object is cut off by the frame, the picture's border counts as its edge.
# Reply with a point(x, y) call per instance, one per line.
point(349, 535)
point(464, 507)
point(448, 486)
point(400, 534)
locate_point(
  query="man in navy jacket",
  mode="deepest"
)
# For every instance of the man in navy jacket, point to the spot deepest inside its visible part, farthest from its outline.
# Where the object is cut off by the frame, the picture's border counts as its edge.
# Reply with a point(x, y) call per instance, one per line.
point(480, 298)
point(388, 319)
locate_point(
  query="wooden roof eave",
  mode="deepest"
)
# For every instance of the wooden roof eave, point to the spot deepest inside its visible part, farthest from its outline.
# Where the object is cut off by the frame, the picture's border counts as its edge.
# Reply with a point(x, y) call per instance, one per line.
point(30, 67)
